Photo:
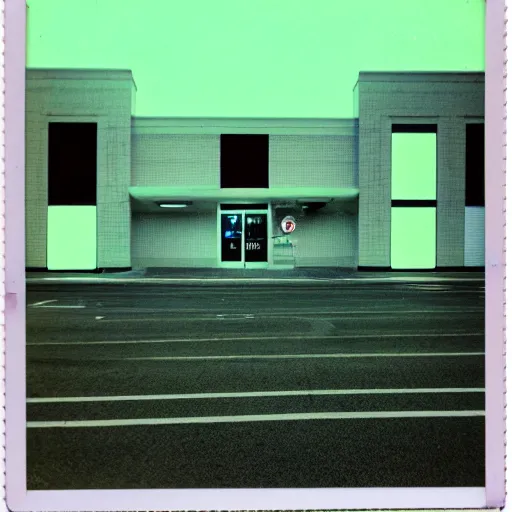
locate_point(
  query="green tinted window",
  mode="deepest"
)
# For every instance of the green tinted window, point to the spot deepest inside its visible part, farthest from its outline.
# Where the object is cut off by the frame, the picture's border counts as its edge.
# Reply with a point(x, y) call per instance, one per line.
point(71, 238)
point(413, 238)
point(413, 166)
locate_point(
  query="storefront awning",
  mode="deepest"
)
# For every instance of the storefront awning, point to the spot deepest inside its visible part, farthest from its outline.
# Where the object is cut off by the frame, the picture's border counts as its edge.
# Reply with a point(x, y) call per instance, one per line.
point(204, 194)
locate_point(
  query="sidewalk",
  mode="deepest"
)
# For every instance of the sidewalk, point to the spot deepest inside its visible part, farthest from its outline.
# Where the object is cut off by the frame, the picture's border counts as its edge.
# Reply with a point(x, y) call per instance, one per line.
point(190, 276)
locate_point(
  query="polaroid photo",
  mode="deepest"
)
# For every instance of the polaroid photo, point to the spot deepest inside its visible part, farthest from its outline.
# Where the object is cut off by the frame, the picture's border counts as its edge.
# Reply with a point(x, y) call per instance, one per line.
point(254, 254)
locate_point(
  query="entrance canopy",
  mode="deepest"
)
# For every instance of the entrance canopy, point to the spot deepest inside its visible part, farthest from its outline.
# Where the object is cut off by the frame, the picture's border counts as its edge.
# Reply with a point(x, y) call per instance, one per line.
point(157, 198)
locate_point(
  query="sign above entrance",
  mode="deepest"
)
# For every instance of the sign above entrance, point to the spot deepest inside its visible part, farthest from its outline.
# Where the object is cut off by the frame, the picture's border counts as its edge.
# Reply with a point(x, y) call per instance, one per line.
point(288, 225)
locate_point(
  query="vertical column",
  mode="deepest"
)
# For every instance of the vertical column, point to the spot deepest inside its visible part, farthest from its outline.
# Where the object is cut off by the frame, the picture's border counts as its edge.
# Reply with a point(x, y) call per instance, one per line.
point(114, 213)
point(413, 196)
point(36, 186)
point(72, 163)
point(450, 192)
point(374, 190)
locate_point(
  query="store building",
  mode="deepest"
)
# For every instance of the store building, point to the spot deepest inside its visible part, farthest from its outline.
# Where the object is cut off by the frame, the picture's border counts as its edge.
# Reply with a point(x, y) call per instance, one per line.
point(399, 186)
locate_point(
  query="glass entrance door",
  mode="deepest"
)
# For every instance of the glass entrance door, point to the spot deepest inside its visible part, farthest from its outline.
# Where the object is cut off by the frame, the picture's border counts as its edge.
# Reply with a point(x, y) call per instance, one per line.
point(244, 239)
point(256, 236)
point(231, 238)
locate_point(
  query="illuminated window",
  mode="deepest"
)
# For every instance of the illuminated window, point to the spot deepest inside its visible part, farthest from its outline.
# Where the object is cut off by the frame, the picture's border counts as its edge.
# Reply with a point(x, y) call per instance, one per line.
point(413, 196)
point(413, 238)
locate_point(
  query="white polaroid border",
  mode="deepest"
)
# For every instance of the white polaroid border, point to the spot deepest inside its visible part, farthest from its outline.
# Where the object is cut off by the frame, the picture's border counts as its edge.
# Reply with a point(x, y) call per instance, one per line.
point(19, 499)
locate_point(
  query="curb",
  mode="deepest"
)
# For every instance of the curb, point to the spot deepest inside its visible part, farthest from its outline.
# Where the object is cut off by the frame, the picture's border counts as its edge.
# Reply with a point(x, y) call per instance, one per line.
point(242, 280)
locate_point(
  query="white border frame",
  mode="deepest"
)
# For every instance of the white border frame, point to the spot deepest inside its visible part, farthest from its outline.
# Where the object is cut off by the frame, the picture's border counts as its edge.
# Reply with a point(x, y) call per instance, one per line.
point(493, 496)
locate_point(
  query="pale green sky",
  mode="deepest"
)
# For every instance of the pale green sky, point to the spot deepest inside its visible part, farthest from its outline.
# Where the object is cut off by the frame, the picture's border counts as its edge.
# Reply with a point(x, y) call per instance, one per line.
point(255, 58)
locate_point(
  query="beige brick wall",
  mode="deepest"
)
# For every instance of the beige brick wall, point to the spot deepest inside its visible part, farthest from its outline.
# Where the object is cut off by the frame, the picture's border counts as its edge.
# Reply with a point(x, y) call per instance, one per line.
point(312, 161)
point(193, 159)
point(174, 240)
point(451, 191)
point(81, 96)
point(179, 160)
point(295, 159)
point(326, 240)
point(190, 240)
point(446, 103)
point(474, 246)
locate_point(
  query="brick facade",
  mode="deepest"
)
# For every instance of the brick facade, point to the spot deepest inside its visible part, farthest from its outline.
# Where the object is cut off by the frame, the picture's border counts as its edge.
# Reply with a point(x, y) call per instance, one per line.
point(343, 153)
point(449, 100)
point(104, 97)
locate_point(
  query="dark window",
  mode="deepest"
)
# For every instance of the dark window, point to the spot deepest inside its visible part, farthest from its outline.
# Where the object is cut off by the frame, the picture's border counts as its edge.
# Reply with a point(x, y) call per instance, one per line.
point(256, 237)
point(244, 161)
point(413, 203)
point(233, 207)
point(414, 128)
point(231, 237)
point(72, 164)
point(475, 164)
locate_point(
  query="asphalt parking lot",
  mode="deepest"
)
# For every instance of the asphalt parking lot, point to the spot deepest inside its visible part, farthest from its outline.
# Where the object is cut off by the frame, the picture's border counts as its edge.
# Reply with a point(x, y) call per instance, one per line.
point(342, 385)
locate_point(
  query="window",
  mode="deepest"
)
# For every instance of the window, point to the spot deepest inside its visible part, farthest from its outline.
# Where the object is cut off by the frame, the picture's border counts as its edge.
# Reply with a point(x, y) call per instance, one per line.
point(413, 238)
point(244, 161)
point(72, 162)
point(475, 164)
point(414, 165)
point(413, 196)
point(72, 219)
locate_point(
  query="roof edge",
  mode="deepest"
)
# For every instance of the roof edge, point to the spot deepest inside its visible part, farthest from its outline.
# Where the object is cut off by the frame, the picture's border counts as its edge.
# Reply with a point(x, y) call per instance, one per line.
point(421, 76)
point(80, 74)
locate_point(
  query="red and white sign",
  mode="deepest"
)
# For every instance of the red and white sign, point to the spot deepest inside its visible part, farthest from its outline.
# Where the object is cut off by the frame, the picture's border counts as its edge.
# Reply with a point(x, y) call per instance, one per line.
point(288, 225)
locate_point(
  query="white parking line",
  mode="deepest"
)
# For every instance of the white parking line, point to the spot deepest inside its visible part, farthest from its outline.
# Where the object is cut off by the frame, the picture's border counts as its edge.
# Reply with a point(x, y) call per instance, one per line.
point(251, 394)
point(300, 356)
point(39, 304)
point(436, 290)
point(264, 338)
point(206, 317)
point(254, 418)
point(60, 307)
